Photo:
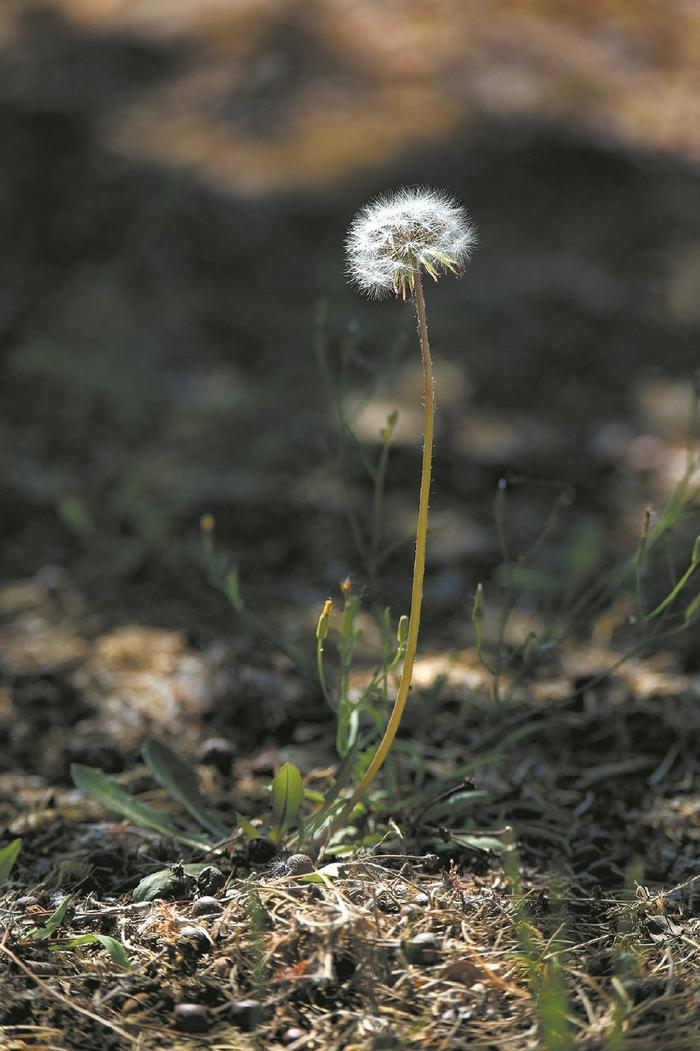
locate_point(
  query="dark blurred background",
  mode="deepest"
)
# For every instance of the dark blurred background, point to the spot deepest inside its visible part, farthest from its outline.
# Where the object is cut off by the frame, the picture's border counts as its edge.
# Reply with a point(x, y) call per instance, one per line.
point(177, 179)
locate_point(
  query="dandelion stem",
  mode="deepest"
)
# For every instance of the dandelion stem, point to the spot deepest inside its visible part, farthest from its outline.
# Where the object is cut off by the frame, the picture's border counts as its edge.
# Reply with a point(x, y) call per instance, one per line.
point(419, 560)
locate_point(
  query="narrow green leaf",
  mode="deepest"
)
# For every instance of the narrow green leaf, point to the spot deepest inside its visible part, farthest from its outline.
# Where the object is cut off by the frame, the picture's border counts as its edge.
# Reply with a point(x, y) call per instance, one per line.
point(113, 797)
point(8, 856)
point(232, 590)
point(340, 850)
point(347, 727)
point(458, 801)
point(115, 948)
point(287, 795)
point(179, 779)
point(52, 924)
point(464, 839)
point(673, 594)
point(323, 875)
point(692, 609)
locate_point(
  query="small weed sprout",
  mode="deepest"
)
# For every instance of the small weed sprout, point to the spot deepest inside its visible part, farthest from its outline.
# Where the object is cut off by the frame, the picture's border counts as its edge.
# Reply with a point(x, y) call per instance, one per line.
point(390, 243)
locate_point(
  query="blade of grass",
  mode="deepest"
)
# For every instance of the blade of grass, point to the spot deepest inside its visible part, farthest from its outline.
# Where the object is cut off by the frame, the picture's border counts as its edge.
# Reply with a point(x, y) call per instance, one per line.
point(117, 800)
point(115, 948)
point(8, 857)
point(52, 924)
point(179, 779)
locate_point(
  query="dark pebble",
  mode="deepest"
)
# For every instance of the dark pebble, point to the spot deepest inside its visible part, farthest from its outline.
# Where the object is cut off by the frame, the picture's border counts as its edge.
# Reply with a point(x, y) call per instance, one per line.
point(198, 939)
point(207, 907)
point(210, 879)
point(192, 1018)
point(246, 1014)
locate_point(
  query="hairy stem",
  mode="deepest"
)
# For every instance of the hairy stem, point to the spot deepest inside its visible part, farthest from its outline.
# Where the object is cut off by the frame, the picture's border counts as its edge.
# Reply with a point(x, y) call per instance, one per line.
point(418, 564)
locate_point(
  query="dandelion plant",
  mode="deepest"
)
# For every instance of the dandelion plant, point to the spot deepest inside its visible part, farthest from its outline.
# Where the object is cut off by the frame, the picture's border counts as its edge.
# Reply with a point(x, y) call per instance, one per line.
point(392, 240)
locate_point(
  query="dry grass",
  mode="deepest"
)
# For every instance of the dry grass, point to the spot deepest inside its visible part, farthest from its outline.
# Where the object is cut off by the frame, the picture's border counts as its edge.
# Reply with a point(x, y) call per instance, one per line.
point(587, 938)
point(384, 957)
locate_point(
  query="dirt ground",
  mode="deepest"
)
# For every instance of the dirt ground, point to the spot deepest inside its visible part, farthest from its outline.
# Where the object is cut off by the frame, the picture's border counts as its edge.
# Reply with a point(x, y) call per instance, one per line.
point(173, 204)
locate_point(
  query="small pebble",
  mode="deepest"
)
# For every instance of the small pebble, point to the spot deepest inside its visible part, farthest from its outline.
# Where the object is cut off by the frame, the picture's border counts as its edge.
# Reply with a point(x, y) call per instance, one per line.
point(246, 1014)
point(421, 899)
point(198, 938)
point(192, 1018)
point(27, 901)
point(210, 879)
point(207, 907)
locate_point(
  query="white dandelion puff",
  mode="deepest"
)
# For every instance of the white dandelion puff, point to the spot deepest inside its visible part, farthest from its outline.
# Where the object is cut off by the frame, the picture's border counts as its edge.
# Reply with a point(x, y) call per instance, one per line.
point(396, 234)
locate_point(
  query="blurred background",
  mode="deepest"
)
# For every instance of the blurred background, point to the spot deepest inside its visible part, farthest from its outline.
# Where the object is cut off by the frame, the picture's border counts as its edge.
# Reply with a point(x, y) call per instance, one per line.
point(176, 184)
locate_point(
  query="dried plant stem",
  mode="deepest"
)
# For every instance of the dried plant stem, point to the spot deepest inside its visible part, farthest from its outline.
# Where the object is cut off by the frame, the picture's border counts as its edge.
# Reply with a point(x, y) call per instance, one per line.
point(418, 564)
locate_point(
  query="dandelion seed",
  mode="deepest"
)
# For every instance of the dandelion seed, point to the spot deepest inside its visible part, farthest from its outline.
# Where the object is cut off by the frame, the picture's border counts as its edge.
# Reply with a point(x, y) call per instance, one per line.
point(395, 235)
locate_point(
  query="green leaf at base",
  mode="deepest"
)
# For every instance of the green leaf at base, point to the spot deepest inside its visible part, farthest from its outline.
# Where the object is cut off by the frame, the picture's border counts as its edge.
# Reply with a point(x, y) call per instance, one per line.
point(287, 795)
point(8, 856)
point(179, 779)
point(115, 948)
point(113, 797)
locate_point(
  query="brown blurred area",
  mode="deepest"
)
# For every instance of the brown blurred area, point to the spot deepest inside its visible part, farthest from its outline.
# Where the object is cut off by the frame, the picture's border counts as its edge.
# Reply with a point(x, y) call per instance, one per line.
point(177, 179)
point(264, 86)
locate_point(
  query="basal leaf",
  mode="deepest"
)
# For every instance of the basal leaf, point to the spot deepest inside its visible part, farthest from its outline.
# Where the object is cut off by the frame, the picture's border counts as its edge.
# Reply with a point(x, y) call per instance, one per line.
point(115, 948)
point(466, 839)
point(115, 798)
point(287, 795)
point(179, 779)
point(8, 856)
point(52, 924)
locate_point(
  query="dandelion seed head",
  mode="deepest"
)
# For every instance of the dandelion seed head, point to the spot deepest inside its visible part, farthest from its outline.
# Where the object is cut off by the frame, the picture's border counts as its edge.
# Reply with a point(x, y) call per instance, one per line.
point(396, 234)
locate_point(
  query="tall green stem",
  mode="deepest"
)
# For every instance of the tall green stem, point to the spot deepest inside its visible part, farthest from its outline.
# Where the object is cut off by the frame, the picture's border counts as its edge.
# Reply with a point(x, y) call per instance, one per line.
point(418, 563)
